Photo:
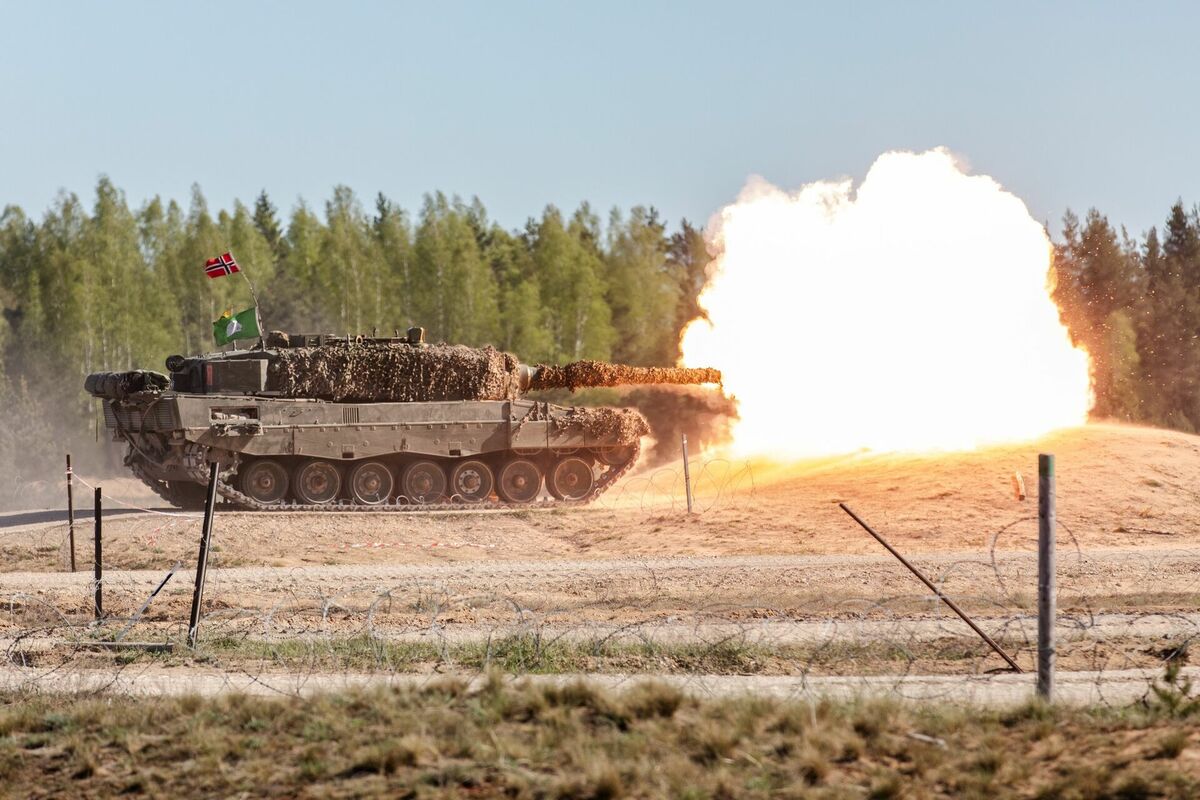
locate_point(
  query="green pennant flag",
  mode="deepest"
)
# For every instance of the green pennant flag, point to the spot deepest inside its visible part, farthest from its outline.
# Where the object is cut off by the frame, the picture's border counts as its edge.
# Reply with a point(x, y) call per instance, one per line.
point(242, 325)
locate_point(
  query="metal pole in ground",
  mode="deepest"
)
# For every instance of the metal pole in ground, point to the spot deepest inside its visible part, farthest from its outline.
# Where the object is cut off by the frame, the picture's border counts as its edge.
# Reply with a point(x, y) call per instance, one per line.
point(1046, 582)
point(71, 509)
point(98, 556)
point(940, 595)
point(136, 617)
point(210, 504)
point(687, 475)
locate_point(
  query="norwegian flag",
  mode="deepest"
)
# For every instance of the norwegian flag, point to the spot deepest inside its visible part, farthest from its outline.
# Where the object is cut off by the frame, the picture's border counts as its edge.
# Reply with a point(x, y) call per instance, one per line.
point(220, 266)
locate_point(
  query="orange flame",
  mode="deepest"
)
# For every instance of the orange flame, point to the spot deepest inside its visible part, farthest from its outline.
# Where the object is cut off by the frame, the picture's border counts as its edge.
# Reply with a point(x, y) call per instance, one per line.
point(913, 314)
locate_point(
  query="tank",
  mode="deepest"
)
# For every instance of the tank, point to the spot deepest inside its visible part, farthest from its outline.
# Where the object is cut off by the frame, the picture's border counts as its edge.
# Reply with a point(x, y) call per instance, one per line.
point(319, 422)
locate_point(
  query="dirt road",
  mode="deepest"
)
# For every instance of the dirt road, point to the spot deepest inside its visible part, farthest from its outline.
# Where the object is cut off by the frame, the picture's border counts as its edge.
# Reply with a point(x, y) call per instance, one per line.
point(1072, 688)
point(1151, 579)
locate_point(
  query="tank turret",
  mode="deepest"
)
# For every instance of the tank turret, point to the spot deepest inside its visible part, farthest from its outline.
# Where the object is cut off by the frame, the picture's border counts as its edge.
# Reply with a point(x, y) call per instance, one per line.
point(396, 370)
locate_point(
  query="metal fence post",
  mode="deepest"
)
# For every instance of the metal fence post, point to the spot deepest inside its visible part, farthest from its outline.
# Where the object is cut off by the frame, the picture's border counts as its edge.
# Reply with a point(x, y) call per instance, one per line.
point(71, 509)
point(98, 556)
point(687, 475)
point(210, 503)
point(1046, 582)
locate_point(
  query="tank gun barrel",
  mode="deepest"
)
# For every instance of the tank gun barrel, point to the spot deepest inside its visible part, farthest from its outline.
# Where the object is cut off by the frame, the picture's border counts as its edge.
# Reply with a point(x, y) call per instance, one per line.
point(583, 374)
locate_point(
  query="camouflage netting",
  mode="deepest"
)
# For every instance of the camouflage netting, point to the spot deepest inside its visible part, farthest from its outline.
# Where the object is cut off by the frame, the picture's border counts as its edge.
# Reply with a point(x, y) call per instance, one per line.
point(580, 374)
point(371, 372)
point(375, 372)
point(619, 426)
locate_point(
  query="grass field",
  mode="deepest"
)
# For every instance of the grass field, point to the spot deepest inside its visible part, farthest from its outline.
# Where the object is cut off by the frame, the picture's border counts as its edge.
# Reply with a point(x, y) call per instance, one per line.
point(516, 740)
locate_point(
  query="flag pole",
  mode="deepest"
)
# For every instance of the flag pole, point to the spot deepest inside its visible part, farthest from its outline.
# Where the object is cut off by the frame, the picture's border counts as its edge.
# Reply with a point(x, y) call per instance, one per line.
point(254, 295)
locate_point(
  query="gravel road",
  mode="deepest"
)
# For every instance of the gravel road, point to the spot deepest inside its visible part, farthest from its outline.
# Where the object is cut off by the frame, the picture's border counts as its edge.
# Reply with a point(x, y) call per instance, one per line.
point(1105, 567)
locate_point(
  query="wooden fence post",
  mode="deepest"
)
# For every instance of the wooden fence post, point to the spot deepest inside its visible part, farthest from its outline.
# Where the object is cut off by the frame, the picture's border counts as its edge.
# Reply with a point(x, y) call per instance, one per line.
point(687, 475)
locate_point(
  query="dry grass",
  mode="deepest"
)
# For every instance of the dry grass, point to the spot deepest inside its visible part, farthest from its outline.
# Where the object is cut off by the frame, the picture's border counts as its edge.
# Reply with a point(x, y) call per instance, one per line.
point(575, 741)
point(534, 654)
point(544, 654)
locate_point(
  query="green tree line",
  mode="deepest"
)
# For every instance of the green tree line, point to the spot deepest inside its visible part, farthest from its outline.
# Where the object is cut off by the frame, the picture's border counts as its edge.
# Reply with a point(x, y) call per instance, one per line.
point(1135, 305)
point(106, 286)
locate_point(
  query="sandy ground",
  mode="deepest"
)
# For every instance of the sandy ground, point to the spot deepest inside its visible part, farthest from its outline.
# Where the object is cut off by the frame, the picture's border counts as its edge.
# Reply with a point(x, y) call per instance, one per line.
point(1117, 487)
point(768, 547)
point(1160, 581)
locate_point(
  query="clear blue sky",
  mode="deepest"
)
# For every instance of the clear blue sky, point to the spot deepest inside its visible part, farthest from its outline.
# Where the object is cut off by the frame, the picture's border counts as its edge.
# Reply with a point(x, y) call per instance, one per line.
point(528, 103)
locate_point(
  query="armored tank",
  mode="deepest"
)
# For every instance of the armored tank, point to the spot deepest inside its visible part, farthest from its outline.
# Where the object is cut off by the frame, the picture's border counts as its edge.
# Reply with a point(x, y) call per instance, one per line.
point(319, 422)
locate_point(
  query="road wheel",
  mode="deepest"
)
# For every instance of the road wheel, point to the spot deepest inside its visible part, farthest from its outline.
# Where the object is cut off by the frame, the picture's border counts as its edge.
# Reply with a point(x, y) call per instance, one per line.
point(571, 479)
point(424, 482)
point(371, 483)
point(471, 482)
point(265, 481)
point(317, 482)
point(520, 481)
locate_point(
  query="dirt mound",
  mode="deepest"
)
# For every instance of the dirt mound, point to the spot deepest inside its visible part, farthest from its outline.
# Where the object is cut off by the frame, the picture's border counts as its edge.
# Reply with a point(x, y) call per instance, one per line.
point(1118, 486)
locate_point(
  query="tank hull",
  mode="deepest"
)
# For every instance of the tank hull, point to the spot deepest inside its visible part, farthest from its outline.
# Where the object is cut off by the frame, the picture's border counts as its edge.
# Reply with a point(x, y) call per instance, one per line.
point(375, 456)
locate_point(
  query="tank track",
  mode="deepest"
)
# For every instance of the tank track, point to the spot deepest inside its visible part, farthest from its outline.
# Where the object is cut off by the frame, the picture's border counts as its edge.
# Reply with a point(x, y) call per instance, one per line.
point(197, 461)
point(160, 488)
point(165, 490)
